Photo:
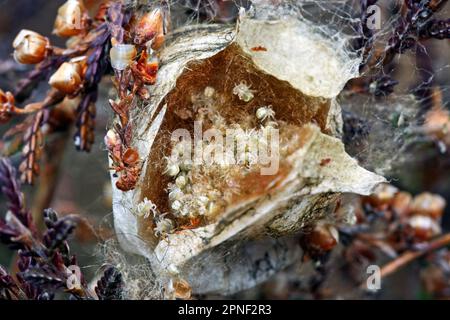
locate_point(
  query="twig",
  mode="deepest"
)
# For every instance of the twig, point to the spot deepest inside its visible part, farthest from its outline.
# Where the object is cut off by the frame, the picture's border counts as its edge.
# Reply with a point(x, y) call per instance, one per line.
point(53, 156)
point(409, 256)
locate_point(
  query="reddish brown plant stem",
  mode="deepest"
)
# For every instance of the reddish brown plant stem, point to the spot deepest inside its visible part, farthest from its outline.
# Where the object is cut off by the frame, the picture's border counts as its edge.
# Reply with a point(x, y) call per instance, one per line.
point(409, 256)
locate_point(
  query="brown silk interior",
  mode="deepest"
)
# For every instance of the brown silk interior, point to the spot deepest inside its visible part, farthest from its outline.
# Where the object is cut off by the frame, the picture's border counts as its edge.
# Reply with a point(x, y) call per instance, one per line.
point(223, 72)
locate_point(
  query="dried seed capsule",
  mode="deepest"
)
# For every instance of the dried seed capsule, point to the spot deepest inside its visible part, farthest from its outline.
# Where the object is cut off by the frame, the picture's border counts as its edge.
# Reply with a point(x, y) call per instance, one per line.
point(69, 76)
point(384, 195)
point(402, 203)
point(30, 47)
point(122, 55)
point(6, 106)
point(423, 227)
point(111, 139)
point(103, 10)
point(151, 26)
point(69, 21)
point(147, 68)
point(181, 289)
point(324, 237)
point(130, 156)
point(428, 204)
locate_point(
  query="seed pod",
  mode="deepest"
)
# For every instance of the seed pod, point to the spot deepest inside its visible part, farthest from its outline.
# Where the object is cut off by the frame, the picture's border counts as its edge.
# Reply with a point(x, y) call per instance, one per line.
point(6, 105)
point(251, 218)
point(402, 203)
point(321, 239)
point(383, 196)
point(151, 27)
point(30, 47)
point(130, 156)
point(428, 204)
point(423, 227)
point(122, 55)
point(178, 289)
point(437, 124)
point(111, 139)
point(102, 11)
point(147, 68)
point(69, 76)
point(70, 19)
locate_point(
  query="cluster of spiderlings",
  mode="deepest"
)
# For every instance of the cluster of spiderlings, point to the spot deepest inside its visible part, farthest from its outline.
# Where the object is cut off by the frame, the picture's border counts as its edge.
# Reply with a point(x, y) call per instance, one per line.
point(187, 199)
point(146, 209)
point(201, 190)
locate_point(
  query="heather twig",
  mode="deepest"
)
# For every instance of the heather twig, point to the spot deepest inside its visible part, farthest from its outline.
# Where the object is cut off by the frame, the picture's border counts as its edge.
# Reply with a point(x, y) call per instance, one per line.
point(109, 287)
point(46, 266)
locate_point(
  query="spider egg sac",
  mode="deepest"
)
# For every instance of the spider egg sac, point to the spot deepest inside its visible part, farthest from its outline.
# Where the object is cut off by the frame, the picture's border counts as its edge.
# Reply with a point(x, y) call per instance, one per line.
point(252, 210)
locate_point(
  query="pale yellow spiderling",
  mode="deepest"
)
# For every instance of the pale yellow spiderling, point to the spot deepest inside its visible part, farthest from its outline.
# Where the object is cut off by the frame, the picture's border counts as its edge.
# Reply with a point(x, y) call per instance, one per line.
point(243, 91)
point(265, 113)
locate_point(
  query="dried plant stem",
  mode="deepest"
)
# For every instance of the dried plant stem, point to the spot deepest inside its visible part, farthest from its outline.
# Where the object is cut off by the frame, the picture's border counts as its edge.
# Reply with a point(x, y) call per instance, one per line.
point(409, 256)
point(53, 156)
